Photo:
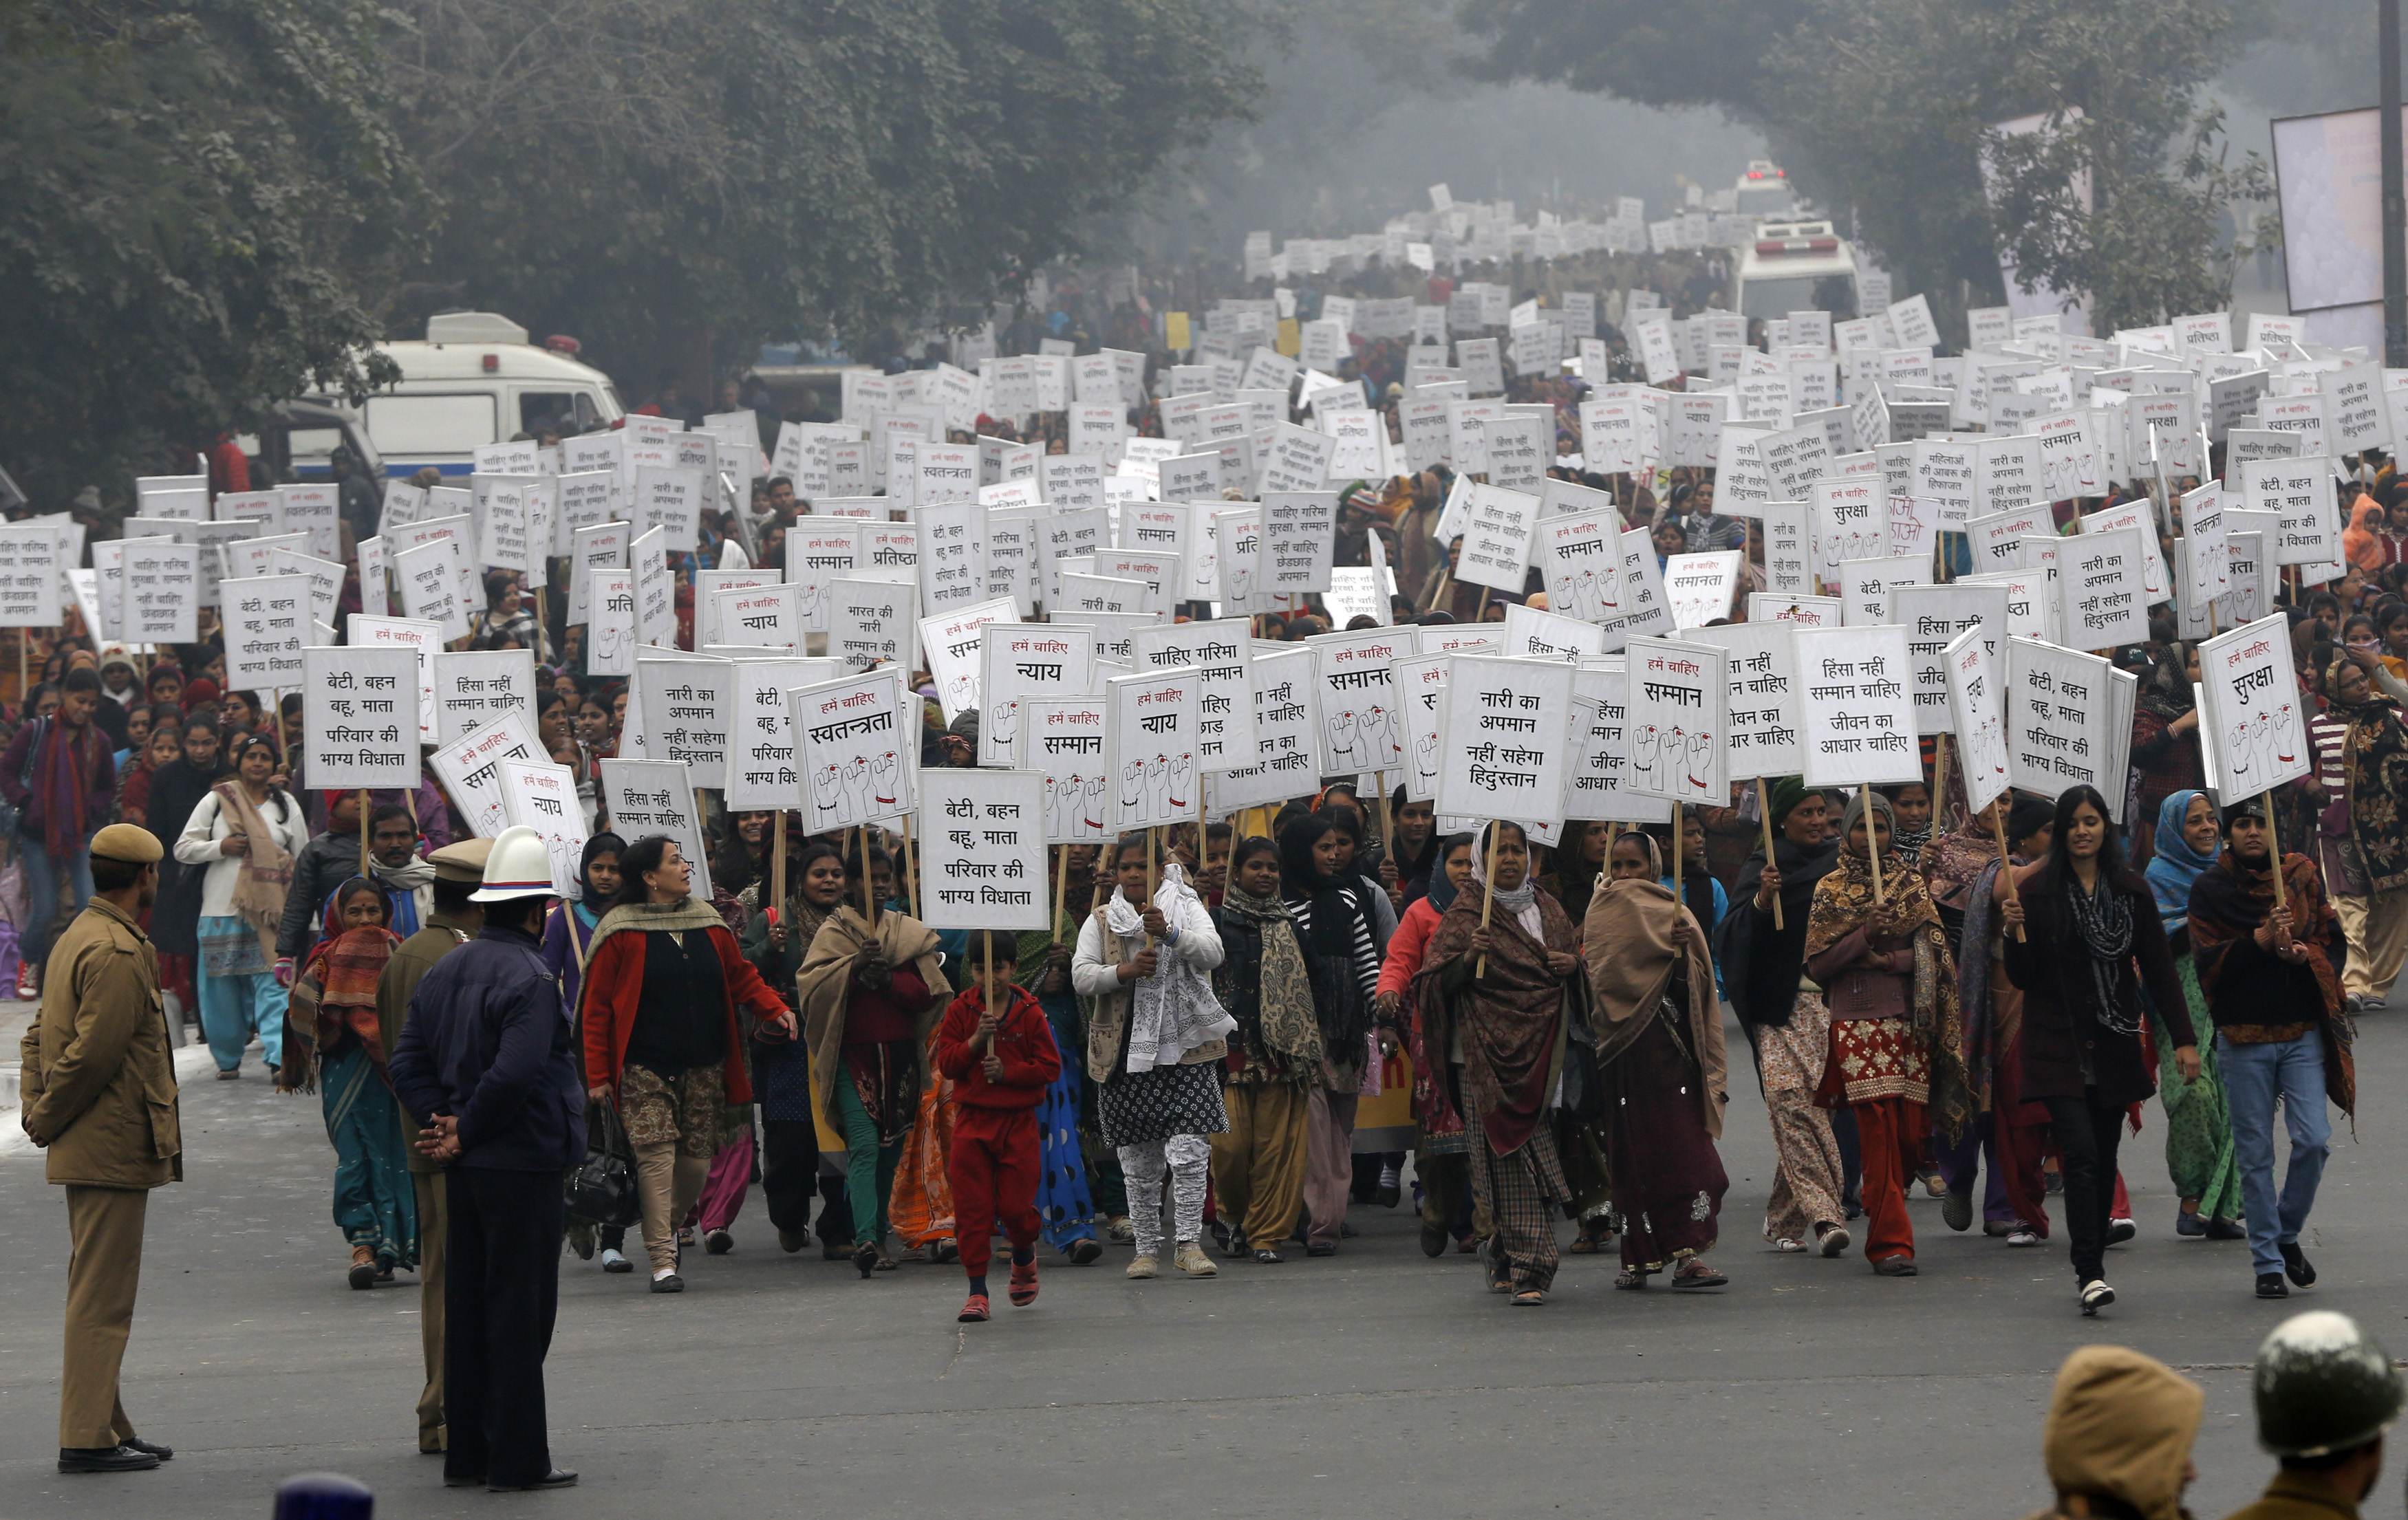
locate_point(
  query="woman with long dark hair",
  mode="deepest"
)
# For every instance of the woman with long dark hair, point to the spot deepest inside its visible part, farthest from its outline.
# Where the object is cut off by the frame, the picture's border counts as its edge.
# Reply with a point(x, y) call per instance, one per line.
point(658, 1014)
point(243, 834)
point(1333, 920)
point(776, 939)
point(2092, 938)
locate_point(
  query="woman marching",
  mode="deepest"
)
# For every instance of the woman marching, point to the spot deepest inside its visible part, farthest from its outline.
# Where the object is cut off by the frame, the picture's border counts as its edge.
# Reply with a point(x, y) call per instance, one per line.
point(1897, 1042)
point(2089, 922)
point(1660, 1054)
point(246, 832)
point(1498, 989)
point(1441, 1152)
point(870, 996)
point(567, 940)
point(1275, 1056)
point(1334, 921)
point(2199, 1122)
point(1155, 1039)
point(331, 1044)
point(776, 941)
point(657, 1017)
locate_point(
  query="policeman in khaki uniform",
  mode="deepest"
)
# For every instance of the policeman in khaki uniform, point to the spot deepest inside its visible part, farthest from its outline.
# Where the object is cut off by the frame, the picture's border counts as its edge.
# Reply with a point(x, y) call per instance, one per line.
point(99, 1091)
point(454, 920)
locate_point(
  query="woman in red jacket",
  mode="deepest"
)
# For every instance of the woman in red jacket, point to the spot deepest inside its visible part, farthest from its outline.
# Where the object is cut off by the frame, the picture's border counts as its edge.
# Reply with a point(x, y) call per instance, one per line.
point(657, 1010)
point(1000, 1065)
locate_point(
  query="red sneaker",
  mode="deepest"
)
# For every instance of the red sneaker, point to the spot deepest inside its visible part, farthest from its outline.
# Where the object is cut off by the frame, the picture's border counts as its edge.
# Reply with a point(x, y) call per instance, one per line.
point(1024, 1284)
point(974, 1310)
point(29, 982)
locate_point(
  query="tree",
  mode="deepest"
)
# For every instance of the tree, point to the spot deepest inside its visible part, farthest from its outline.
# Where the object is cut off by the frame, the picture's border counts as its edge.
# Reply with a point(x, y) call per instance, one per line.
point(648, 176)
point(1886, 111)
point(193, 195)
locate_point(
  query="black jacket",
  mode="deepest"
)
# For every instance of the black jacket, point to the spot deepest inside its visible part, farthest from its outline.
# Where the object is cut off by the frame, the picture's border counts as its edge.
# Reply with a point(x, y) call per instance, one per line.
point(2052, 967)
point(324, 863)
point(486, 1041)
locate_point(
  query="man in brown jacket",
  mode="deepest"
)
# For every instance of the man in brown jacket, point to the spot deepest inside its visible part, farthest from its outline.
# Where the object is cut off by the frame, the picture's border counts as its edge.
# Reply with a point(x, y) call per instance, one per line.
point(99, 1085)
point(452, 922)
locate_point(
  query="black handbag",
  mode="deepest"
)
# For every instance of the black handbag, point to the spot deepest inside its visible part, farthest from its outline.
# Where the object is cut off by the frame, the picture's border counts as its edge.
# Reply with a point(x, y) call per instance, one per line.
point(602, 1188)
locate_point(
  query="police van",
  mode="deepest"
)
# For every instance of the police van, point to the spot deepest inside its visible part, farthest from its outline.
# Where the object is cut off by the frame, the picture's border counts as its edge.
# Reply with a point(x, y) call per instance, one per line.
point(475, 380)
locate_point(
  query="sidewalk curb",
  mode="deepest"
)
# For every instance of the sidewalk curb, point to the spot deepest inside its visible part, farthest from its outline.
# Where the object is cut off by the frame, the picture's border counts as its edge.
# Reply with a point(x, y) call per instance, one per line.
point(191, 1062)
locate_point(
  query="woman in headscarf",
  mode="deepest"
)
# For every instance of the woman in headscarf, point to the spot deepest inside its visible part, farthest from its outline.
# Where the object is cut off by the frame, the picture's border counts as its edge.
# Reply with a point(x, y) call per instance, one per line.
point(243, 834)
point(657, 1017)
point(2090, 924)
point(1909, 803)
point(1896, 1038)
point(1498, 988)
point(1275, 1056)
point(2199, 1125)
point(1329, 904)
point(871, 998)
point(1442, 1150)
point(2165, 739)
point(2008, 1135)
point(1155, 1039)
point(1788, 1025)
point(2363, 754)
point(567, 940)
point(1660, 1054)
point(331, 1044)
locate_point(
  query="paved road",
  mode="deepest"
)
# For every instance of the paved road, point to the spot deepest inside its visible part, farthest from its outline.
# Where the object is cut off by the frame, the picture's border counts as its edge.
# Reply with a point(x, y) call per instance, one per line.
point(1374, 1384)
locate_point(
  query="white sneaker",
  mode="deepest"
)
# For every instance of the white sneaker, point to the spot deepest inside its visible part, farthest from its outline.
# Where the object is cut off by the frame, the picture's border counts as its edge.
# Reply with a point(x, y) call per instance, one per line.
point(2096, 1295)
point(1835, 1241)
point(1145, 1267)
point(2020, 1237)
point(613, 1260)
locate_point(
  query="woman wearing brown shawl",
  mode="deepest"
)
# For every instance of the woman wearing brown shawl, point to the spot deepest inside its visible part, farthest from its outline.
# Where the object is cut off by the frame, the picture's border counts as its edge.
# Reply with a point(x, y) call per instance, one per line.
point(333, 1044)
point(2268, 977)
point(1660, 1054)
point(2008, 1135)
point(1274, 1058)
point(1896, 1038)
point(871, 998)
point(2366, 826)
point(1509, 1019)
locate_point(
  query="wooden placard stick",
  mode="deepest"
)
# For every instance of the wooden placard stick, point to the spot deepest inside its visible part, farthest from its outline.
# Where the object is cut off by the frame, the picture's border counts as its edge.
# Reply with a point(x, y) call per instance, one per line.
point(1764, 816)
point(2006, 860)
point(1872, 839)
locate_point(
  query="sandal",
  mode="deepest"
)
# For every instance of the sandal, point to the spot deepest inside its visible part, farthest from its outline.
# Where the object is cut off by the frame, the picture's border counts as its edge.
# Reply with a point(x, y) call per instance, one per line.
point(1789, 1246)
point(1629, 1278)
point(1266, 1256)
point(947, 1251)
point(1694, 1274)
point(1530, 1298)
point(1585, 1246)
point(887, 1263)
point(865, 1260)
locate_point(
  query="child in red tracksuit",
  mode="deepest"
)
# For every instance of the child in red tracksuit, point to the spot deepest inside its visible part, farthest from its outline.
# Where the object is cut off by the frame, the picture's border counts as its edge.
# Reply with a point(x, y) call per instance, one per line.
point(1000, 1067)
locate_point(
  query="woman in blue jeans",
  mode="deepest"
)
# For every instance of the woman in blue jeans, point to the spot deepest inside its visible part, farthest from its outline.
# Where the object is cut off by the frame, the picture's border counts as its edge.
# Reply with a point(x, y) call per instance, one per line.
point(59, 776)
point(2266, 970)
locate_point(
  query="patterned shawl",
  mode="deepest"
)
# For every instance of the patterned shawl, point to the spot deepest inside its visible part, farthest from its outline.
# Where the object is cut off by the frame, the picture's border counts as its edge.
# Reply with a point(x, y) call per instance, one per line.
point(1954, 861)
point(1279, 1015)
point(1511, 1020)
point(2376, 754)
point(336, 990)
point(1843, 903)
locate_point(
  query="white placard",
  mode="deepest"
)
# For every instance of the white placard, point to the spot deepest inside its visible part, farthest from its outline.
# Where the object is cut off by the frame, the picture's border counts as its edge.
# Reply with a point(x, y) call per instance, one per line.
point(1298, 536)
point(873, 622)
point(1361, 729)
point(2157, 579)
point(1421, 697)
point(470, 770)
point(761, 771)
point(1678, 707)
point(858, 746)
point(2103, 590)
point(359, 717)
point(325, 578)
point(2059, 718)
point(430, 576)
point(160, 591)
point(749, 607)
point(611, 628)
point(2301, 491)
point(1218, 653)
point(1022, 662)
point(2252, 713)
point(1644, 608)
point(1152, 722)
point(655, 588)
point(267, 624)
point(685, 708)
point(1066, 738)
point(647, 797)
point(542, 796)
point(31, 574)
point(1858, 712)
point(475, 688)
point(1579, 555)
point(1934, 616)
point(1509, 739)
point(1763, 738)
point(670, 499)
point(1701, 588)
point(1969, 667)
point(1866, 585)
point(1287, 733)
point(950, 644)
point(982, 849)
point(1497, 534)
point(1851, 521)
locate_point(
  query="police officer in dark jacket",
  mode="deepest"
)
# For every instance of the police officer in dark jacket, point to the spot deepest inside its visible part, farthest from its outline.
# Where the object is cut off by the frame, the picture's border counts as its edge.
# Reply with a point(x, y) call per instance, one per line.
point(489, 1055)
